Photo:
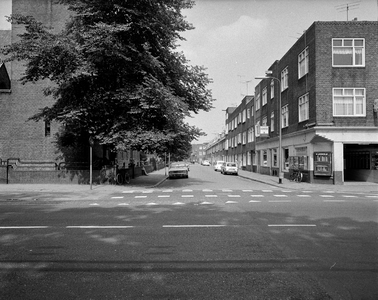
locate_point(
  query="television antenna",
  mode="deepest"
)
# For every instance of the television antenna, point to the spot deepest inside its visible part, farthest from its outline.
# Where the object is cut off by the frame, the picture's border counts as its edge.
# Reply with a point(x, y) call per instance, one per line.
point(347, 7)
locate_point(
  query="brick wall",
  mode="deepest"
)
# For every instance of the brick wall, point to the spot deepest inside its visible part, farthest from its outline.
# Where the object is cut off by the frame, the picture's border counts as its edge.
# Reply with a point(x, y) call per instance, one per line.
point(18, 136)
point(328, 77)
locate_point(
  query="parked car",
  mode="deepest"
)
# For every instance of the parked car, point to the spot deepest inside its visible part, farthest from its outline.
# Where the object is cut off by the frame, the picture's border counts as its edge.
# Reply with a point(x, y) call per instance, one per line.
point(205, 163)
point(178, 170)
point(229, 168)
point(218, 165)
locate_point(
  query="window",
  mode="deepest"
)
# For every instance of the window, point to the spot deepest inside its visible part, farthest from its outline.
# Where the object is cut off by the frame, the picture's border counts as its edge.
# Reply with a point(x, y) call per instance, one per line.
point(239, 118)
point(47, 128)
point(303, 63)
point(257, 102)
point(264, 121)
point(272, 121)
point(244, 137)
point(303, 107)
point(285, 116)
point(272, 89)
point(239, 138)
point(348, 52)
point(251, 137)
point(252, 111)
point(264, 97)
point(284, 79)
point(244, 116)
point(248, 113)
point(257, 128)
point(349, 102)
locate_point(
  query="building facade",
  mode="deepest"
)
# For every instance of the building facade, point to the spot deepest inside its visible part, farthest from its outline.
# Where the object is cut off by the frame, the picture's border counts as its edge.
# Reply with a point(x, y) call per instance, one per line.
point(20, 137)
point(321, 99)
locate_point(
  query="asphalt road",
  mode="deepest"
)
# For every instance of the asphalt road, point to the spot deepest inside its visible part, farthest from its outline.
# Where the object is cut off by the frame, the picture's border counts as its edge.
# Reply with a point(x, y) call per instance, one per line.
point(211, 236)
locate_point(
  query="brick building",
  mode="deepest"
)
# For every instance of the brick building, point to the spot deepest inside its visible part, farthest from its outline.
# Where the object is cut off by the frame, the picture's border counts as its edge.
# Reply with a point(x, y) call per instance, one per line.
point(19, 137)
point(327, 84)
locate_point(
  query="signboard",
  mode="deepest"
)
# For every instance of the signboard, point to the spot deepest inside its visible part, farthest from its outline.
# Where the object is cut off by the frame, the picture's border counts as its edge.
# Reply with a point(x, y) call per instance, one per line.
point(323, 163)
point(264, 131)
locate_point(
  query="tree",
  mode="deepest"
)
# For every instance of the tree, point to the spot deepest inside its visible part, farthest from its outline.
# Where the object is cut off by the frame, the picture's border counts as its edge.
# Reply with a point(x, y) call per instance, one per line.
point(116, 73)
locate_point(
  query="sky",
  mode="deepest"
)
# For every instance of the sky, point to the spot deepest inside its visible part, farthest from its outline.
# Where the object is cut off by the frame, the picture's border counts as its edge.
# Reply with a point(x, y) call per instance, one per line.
point(237, 40)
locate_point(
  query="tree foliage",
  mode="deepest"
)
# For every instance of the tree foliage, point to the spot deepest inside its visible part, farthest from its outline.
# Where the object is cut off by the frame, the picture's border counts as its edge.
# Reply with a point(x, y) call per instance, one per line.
point(116, 72)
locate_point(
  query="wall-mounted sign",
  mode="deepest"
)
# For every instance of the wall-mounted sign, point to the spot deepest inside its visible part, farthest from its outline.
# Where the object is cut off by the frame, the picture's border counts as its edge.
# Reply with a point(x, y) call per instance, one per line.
point(322, 163)
point(264, 131)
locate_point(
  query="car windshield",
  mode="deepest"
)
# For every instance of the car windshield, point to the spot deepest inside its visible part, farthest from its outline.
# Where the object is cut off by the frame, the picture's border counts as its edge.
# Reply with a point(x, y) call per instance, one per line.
point(178, 165)
point(231, 165)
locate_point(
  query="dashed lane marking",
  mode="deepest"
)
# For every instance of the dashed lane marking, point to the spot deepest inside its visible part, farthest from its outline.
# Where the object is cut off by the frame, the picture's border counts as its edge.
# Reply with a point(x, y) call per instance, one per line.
point(291, 225)
point(226, 190)
point(211, 196)
point(233, 196)
point(334, 200)
point(178, 203)
point(164, 196)
point(267, 191)
point(282, 196)
point(279, 201)
point(247, 191)
point(254, 201)
point(303, 196)
point(99, 227)
point(187, 191)
point(257, 196)
point(206, 203)
point(123, 204)
point(192, 226)
point(117, 197)
point(140, 197)
point(187, 196)
point(326, 196)
point(24, 227)
point(231, 202)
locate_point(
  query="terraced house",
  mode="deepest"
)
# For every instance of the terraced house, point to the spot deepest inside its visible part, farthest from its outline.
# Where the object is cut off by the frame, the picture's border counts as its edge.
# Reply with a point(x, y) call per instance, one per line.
point(327, 85)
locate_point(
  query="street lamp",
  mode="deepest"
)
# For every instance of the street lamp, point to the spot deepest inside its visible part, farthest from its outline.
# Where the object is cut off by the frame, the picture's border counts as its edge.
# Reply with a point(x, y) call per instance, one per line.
point(268, 75)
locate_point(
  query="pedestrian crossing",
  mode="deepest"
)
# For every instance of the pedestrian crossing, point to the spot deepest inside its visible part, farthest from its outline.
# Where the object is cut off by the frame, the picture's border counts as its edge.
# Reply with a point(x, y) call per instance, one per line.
point(230, 196)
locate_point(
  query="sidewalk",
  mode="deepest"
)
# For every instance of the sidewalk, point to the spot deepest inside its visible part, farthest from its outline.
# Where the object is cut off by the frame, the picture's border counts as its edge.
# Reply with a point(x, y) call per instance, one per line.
point(155, 178)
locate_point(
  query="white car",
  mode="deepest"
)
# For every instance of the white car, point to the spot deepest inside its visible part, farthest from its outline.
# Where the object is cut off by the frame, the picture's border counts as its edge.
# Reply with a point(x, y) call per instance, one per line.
point(229, 168)
point(205, 163)
point(218, 165)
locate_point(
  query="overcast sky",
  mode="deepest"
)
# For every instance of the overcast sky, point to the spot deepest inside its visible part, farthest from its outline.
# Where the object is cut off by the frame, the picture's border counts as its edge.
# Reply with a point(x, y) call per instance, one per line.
point(237, 40)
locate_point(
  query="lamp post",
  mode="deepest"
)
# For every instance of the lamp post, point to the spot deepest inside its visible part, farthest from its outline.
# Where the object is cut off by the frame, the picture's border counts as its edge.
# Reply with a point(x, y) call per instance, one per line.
point(91, 143)
point(268, 75)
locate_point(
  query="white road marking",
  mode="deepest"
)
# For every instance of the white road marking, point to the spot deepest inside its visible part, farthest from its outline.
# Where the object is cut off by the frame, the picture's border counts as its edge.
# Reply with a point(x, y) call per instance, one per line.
point(247, 191)
point(147, 192)
point(303, 196)
point(187, 190)
point(123, 204)
point(349, 196)
point(206, 203)
point(231, 202)
point(94, 204)
point(233, 196)
point(291, 225)
point(97, 227)
point(267, 191)
point(151, 203)
point(206, 190)
point(139, 197)
point(333, 200)
point(226, 190)
point(278, 201)
point(211, 196)
point(282, 196)
point(187, 196)
point(128, 192)
point(192, 226)
point(167, 191)
point(254, 201)
point(23, 227)
point(373, 196)
point(164, 196)
point(326, 196)
point(178, 203)
point(118, 197)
